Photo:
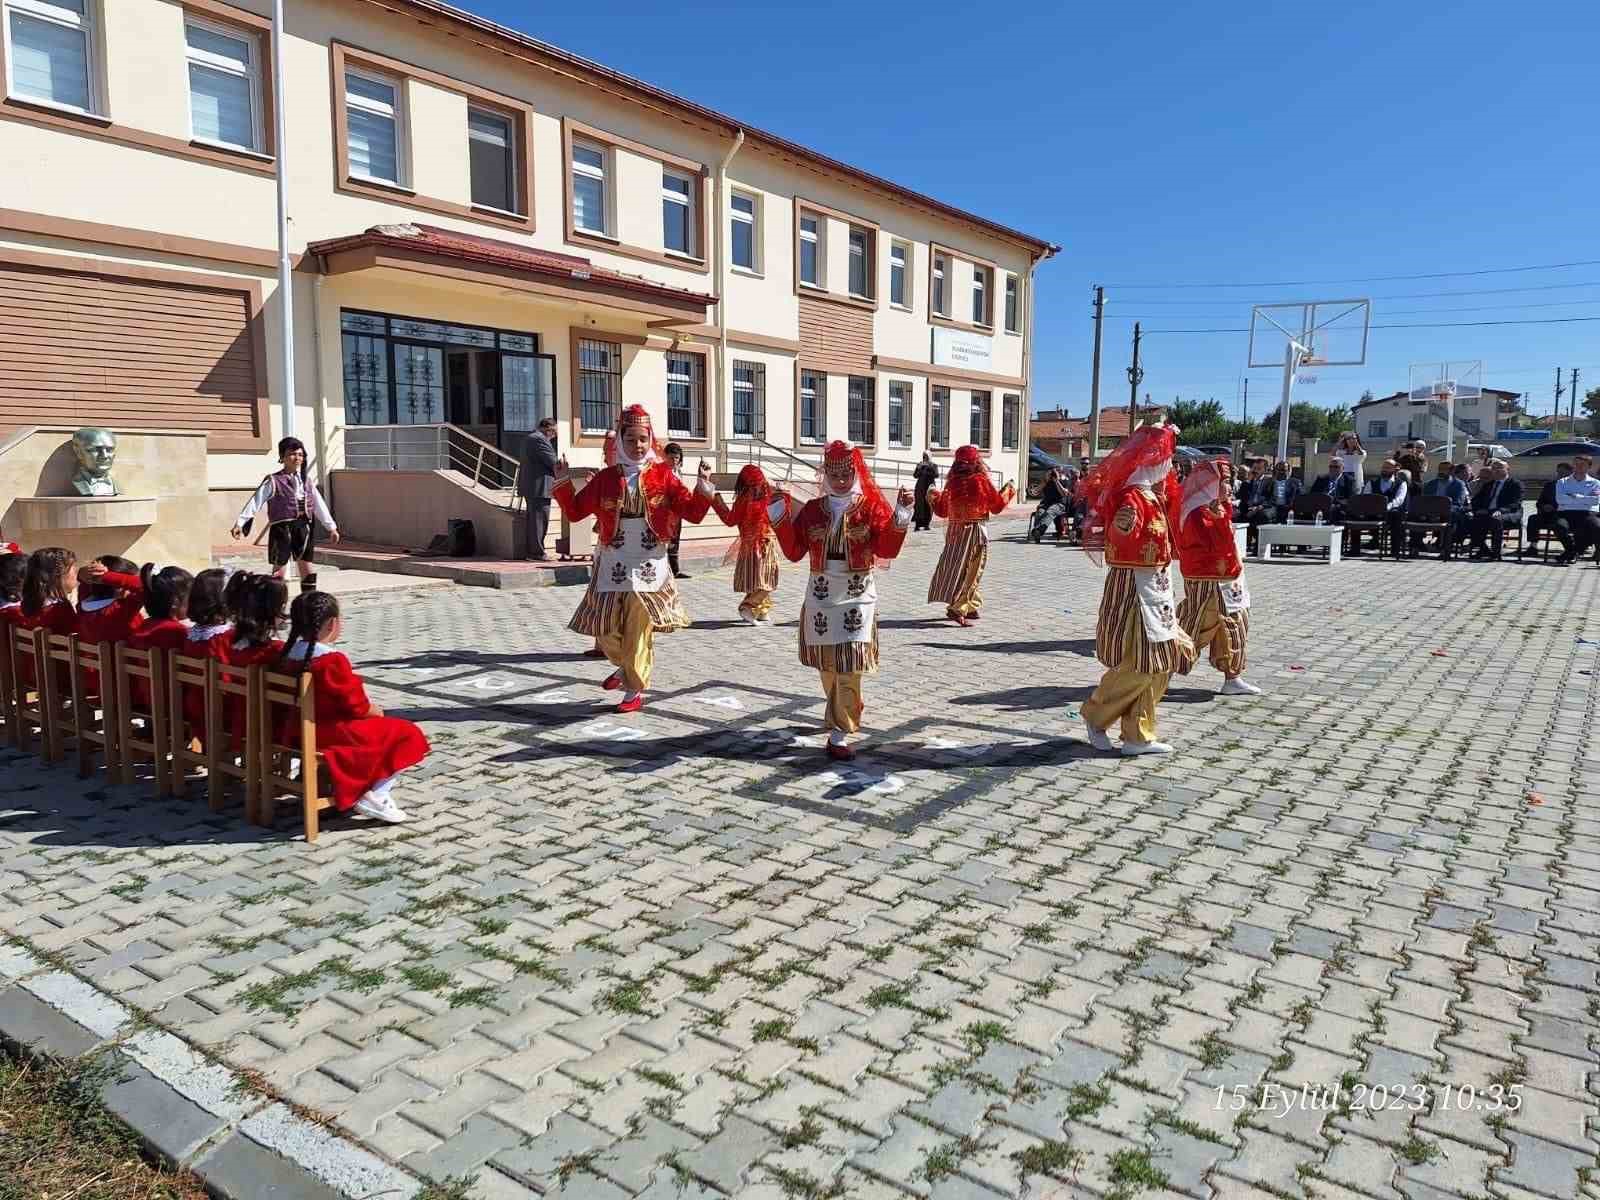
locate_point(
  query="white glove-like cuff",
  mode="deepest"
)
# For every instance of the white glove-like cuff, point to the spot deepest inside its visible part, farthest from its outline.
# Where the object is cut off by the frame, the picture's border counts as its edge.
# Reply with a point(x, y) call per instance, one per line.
point(902, 516)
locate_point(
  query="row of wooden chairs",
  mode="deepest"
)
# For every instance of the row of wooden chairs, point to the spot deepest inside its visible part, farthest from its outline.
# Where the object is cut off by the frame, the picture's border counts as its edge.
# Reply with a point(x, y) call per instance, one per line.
point(124, 706)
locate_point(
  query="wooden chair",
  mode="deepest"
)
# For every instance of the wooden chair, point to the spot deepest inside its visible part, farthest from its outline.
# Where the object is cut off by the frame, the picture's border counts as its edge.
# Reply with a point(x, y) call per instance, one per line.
point(150, 668)
point(216, 754)
point(32, 689)
point(286, 732)
point(1368, 512)
point(92, 716)
point(57, 699)
point(1433, 514)
point(8, 690)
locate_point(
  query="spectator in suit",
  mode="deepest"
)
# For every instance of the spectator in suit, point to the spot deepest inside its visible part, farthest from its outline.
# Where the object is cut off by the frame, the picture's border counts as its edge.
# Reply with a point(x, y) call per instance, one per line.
point(1392, 485)
point(1253, 497)
point(1496, 506)
point(1338, 485)
point(535, 483)
point(1547, 515)
point(1282, 491)
point(1446, 484)
point(1578, 500)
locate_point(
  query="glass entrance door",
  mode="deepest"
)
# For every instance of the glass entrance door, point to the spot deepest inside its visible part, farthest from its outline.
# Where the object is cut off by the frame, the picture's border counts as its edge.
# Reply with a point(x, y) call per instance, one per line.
point(528, 385)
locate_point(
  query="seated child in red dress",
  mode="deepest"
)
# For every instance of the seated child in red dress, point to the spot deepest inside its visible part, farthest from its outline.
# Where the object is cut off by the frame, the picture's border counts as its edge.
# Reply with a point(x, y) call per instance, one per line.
point(48, 582)
point(208, 621)
point(257, 607)
point(364, 749)
point(107, 611)
point(12, 568)
point(166, 602)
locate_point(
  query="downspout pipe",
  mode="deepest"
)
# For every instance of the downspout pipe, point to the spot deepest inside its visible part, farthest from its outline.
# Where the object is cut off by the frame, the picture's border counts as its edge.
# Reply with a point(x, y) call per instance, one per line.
point(318, 399)
point(285, 277)
point(724, 392)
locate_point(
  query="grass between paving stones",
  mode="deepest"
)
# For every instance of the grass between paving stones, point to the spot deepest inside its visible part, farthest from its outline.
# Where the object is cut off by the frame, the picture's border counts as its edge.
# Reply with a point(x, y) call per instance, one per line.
point(57, 1140)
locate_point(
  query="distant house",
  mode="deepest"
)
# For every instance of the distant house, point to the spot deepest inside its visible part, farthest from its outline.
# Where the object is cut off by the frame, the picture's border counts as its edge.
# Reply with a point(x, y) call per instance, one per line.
point(1396, 418)
point(1067, 438)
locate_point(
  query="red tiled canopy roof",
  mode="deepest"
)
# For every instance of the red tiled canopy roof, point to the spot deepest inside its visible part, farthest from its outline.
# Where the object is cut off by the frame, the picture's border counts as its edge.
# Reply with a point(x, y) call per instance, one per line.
point(470, 248)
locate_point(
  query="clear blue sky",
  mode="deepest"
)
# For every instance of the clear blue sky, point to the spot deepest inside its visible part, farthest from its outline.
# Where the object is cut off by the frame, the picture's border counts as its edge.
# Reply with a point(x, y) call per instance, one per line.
point(1174, 142)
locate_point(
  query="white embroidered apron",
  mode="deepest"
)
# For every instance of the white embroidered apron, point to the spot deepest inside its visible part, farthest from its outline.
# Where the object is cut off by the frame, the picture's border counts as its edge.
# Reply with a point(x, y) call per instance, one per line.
point(634, 560)
point(841, 606)
point(1235, 596)
point(1154, 589)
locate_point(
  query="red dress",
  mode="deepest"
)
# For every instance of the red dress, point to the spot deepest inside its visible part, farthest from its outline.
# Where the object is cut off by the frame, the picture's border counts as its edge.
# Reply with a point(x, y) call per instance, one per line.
point(60, 618)
point(202, 646)
point(112, 623)
point(162, 634)
point(223, 647)
point(359, 750)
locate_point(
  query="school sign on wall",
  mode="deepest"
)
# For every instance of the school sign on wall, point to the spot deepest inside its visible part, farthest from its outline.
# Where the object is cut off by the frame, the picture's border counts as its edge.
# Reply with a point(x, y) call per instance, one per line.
point(959, 348)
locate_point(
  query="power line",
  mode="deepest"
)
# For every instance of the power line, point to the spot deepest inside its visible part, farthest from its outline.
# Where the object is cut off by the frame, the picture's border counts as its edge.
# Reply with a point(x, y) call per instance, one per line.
point(1592, 262)
point(1388, 312)
point(1435, 325)
point(1537, 287)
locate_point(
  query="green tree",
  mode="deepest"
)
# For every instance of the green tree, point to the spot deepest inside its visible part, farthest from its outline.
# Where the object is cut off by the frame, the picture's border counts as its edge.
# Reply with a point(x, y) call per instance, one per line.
point(1185, 413)
point(1591, 404)
point(1305, 421)
point(1335, 422)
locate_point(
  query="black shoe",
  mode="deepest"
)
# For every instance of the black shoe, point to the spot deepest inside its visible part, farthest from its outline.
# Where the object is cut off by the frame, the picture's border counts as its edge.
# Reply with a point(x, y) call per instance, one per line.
point(680, 575)
point(1566, 560)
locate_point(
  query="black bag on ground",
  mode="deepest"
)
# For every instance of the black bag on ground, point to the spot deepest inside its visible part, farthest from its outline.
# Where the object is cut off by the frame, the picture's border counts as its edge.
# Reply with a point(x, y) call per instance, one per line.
point(463, 539)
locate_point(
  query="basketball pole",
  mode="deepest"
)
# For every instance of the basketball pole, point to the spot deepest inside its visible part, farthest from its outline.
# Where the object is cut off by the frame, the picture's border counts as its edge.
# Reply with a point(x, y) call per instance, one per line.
point(1291, 360)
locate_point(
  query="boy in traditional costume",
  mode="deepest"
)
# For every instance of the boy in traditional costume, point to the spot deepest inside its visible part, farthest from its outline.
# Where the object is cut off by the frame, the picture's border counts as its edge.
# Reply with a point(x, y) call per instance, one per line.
point(755, 553)
point(967, 502)
point(1133, 502)
point(846, 531)
point(292, 502)
point(636, 501)
point(1215, 611)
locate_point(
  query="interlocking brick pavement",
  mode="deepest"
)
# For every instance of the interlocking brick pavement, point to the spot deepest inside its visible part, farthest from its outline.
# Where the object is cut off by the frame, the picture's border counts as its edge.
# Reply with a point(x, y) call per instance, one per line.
point(1322, 950)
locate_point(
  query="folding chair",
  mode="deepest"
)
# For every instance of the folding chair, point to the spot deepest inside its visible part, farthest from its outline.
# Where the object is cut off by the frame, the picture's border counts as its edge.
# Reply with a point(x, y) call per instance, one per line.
point(150, 668)
point(1365, 513)
point(93, 714)
point(1433, 514)
point(216, 754)
point(286, 731)
point(29, 698)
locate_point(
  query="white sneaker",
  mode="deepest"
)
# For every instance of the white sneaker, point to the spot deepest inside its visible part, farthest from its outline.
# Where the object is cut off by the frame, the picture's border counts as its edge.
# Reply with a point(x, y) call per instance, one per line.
point(748, 617)
point(1239, 687)
point(1132, 749)
point(764, 622)
point(379, 806)
point(1097, 737)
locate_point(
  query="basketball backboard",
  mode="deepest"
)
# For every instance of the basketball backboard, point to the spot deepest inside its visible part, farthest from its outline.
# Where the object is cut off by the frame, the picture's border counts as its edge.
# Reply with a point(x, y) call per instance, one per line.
point(1326, 333)
point(1441, 381)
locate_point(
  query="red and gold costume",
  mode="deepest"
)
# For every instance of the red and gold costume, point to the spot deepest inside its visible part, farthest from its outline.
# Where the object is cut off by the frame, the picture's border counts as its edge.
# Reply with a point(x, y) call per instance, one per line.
point(636, 507)
point(967, 502)
point(843, 534)
point(1132, 504)
point(1215, 612)
point(755, 554)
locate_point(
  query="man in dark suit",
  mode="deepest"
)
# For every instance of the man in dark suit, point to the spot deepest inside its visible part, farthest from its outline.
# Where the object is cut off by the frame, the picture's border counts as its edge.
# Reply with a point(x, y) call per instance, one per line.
point(534, 484)
point(1338, 485)
point(1496, 506)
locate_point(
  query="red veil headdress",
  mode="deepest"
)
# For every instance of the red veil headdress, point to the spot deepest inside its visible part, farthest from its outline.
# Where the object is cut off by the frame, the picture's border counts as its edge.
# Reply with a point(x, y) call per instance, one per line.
point(875, 507)
point(968, 487)
point(1148, 447)
point(752, 493)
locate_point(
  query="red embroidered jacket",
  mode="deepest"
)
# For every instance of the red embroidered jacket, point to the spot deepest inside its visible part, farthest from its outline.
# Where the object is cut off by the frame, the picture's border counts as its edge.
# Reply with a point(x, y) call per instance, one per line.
point(1140, 534)
point(666, 501)
point(865, 539)
point(1206, 545)
point(971, 505)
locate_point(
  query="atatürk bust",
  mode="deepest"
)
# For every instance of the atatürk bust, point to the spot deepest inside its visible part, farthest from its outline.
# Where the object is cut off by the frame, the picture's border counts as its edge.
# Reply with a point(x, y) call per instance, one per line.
point(96, 451)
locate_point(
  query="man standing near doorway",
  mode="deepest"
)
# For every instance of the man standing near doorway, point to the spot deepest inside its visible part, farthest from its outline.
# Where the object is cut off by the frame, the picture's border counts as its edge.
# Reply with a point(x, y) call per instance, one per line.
point(926, 475)
point(536, 484)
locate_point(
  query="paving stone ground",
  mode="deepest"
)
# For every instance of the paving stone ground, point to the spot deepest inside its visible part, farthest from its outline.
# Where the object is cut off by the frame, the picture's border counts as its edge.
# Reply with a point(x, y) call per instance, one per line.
point(1344, 943)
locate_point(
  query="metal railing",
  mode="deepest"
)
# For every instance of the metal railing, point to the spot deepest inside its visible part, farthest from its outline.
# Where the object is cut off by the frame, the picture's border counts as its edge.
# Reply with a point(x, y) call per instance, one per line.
point(891, 473)
point(432, 448)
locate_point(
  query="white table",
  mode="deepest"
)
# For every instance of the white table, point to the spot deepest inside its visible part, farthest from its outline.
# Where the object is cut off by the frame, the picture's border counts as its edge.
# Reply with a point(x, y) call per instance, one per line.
point(1241, 538)
point(1306, 534)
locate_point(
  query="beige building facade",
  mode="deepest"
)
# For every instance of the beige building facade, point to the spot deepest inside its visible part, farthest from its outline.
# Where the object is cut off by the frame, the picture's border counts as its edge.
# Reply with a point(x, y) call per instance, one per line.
point(485, 230)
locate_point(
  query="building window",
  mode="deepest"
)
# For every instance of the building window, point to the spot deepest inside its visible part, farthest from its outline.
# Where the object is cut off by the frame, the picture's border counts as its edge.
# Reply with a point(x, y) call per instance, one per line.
point(677, 209)
point(860, 276)
point(50, 52)
point(1377, 429)
point(492, 156)
point(742, 236)
point(863, 424)
point(1470, 425)
point(980, 296)
point(899, 414)
point(372, 119)
point(749, 399)
point(588, 188)
point(224, 86)
point(366, 378)
point(686, 395)
point(813, 407)
point(1010, 421)
point(1013, 317)
point(980, 419)
point(938, 296)
point(599, 384)
point(809, 256)
point(939, 417)
point(899, 275)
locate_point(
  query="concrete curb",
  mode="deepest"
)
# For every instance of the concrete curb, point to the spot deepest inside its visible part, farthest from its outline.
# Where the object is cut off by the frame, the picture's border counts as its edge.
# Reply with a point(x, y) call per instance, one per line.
point(190, 1111)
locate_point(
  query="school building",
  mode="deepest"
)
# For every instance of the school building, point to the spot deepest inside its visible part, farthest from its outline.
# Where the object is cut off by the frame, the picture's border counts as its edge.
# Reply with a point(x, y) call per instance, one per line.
point(485, 230)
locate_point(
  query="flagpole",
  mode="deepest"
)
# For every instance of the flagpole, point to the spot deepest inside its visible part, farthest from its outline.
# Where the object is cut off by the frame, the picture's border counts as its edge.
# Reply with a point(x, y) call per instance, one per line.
point(285, 286)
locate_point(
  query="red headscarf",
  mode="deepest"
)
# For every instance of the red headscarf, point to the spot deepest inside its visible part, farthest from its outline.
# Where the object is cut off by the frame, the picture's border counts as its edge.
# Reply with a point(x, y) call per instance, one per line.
point(970, 490)
point(751, 495)
point(874, 507)
point(1146, 449)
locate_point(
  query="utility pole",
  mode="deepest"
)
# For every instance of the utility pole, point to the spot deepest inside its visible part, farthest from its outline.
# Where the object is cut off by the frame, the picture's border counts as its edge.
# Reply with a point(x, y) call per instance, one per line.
point(1094, 384)
point(1572, 400)
point(1246, 400)
point(1135, 377)
point(1555, 420)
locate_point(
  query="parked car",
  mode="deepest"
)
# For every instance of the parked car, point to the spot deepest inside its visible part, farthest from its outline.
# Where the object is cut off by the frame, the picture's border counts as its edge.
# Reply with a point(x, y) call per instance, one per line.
point(1536, 466)
point(1215, 451)
point(1559, 450)
point(1473, 451)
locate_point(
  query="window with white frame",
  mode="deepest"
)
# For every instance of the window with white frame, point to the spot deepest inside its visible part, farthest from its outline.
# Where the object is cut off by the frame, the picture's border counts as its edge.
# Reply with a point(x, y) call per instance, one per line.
point(374, 127)
point(589, 185)
point(1377, 429)
point(677, 213)
point(938, 293)
point(1010, 421)
point(980, 295)
point(686, 395)
point(749, 399)
point(50, 52)
point(860, 260)
point(939, 417)
point(899, 414)
point(862, 428)
point(980, 419)
point(224, 85)
point(742, 237)
point(900, 275)
point(492, 159)
point(813, 407)
point(1013, 314)
point(810, 251)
